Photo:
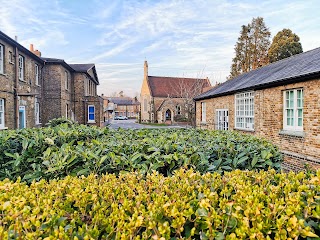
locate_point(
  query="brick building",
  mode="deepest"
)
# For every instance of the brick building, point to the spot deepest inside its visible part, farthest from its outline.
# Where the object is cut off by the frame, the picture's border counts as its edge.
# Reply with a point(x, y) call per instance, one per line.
point(169, 99)
point(279, 101)
point(73, 88)
point(20, 85)
point(34, 90)
point(121, 106)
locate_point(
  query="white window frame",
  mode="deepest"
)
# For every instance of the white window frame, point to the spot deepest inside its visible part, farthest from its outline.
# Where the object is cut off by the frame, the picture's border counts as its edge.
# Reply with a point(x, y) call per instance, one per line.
point(294, 107)
point(2, 113)
point(67, 109)
point(222, 119)
point(94, 112)
point(203, 112)
point(244, 111)
point(66, 76)
point(11, 57)
point(1, 59)
point(37, 112)
point(36, 71)
point(21, 68)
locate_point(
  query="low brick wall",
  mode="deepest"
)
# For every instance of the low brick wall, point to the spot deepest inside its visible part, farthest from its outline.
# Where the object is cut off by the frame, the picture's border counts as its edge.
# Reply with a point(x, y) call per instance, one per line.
point(298, 162)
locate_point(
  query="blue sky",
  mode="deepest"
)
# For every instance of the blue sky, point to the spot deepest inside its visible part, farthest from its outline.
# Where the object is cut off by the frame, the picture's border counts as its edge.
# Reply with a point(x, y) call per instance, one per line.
point(191, 38)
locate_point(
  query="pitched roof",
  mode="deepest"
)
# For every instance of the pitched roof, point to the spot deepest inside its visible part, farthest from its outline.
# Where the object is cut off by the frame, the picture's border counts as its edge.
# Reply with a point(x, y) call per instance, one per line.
point(176, 87)
point(82, 67)
point(123, 101)
point(57, 61)
point(85, 68)
point(20, 47)
point(299, 67)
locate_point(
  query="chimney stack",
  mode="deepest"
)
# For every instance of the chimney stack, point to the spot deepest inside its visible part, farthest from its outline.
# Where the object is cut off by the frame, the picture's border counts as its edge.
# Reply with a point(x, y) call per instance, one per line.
point(36, 52)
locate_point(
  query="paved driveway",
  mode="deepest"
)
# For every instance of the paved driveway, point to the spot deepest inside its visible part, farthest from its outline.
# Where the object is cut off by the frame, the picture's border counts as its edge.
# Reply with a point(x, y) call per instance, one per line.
point(131, 124)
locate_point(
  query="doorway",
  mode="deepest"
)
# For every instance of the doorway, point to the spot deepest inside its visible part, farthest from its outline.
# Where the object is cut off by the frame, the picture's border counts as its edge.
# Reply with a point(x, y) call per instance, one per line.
point(222, 119)
point(168, 115)
point(22, 117)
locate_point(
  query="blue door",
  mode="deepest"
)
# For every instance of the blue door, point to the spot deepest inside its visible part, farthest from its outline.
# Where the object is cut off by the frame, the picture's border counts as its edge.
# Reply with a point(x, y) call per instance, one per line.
point(22, 117)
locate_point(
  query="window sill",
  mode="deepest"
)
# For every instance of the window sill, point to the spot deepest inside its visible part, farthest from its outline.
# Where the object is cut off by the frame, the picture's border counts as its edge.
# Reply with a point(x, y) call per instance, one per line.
point(3, 128)
point(244, 129)
point(91, 122)
point(292, 133)
point(4, 74)
point(203, 123)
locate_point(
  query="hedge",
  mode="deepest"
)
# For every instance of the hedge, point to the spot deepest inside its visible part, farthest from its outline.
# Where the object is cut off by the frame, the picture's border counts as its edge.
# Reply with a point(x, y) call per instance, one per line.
point(71, 149)
point(186, 205)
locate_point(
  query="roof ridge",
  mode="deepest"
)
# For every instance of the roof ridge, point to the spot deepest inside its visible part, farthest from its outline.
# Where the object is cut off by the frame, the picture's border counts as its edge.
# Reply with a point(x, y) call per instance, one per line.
point(279, 72)
point(277, 62)
point(179, 77)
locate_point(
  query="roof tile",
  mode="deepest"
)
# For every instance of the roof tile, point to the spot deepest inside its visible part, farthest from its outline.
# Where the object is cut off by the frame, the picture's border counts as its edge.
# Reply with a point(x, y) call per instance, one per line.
point(176, 87)
point(294, 67)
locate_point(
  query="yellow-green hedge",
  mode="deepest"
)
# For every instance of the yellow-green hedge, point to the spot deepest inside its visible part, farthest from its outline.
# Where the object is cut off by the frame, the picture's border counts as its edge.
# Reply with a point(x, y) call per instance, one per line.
point(238, 205)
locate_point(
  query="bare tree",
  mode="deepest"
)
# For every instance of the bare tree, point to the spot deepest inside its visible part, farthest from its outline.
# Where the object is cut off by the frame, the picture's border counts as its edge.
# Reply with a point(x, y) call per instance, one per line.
point(184, 90)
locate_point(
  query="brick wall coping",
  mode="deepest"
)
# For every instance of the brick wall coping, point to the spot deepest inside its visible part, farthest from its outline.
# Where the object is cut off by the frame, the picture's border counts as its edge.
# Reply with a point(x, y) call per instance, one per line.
point(301, 156)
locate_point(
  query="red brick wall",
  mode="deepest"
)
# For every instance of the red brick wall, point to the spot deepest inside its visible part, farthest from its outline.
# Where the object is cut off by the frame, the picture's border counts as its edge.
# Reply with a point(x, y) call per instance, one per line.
point(268, 120)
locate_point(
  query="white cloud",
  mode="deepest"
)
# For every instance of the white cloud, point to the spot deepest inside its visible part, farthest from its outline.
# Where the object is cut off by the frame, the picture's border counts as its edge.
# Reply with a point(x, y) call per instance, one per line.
point(176, 37)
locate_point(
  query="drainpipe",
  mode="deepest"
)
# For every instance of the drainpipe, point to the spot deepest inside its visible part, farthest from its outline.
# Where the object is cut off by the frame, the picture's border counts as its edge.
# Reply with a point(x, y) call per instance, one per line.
point(84, 111)
point(15, 89)
point(195, 113)
point(42, 100)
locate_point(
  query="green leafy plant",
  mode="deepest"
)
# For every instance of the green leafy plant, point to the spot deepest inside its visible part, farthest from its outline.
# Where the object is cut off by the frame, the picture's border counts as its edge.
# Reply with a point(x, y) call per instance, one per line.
point(72, 149)
point(187, 205)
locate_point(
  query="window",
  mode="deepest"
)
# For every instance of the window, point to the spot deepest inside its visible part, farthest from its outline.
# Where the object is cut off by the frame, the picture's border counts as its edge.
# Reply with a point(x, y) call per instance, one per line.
point(66, 77)
point(203, 112)
point(178, 110)
point(293, 110)
point(145, 105)
point(37, 112)
point(36, 71)
point(21, 68)
point(2, 115)
point(1, 59)
point(67, 110)
point(222, 119)
point(244, 107)
point(11, 57)
point(91, 113)
point(86, 91)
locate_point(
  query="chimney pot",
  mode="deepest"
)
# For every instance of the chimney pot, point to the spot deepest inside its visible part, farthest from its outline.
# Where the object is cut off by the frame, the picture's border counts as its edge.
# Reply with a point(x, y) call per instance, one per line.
point(31, 47)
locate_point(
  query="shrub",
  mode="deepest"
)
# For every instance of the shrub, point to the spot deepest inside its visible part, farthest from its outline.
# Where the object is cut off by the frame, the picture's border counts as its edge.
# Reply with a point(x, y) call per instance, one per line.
point(58, 121)
point(187, 205)
point(56, 152)
point(180, 118)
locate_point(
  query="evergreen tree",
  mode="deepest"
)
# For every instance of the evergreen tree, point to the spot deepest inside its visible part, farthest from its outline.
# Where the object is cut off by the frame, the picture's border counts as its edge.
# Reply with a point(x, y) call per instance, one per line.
point(252, 48)
point(284, 44)
point(260, 43)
